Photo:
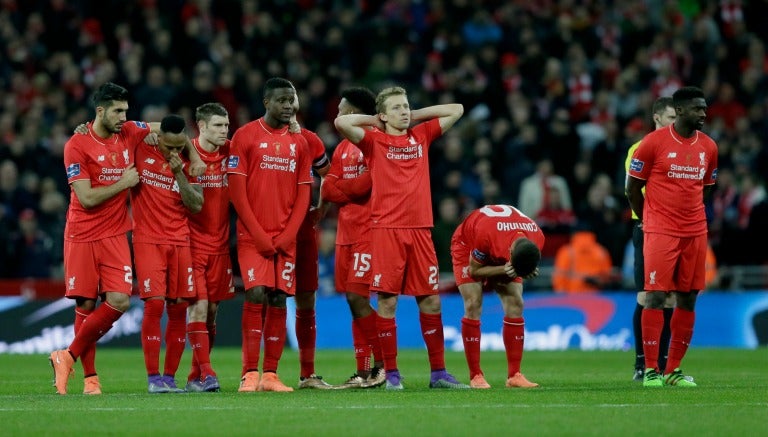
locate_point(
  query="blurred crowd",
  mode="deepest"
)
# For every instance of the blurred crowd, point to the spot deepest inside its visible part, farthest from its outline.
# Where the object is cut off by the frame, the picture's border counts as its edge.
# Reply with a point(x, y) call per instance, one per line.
point(554, 91)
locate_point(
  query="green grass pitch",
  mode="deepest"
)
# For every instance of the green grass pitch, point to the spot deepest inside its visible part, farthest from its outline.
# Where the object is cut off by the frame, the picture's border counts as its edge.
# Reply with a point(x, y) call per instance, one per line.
point(581, 393)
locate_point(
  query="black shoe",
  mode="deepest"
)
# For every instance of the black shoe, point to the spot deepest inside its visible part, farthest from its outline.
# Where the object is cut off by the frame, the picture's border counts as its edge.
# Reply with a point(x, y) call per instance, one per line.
point(638, 376)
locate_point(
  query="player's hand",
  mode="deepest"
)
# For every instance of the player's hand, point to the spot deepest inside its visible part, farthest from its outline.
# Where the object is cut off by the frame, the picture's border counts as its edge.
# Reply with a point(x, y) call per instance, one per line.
point(152, 139)
point(130, 176)
point(283, 243)
point(197, 167)
point(293, 125)
point(509, 270)
point(313, 215)
point(81, 129)
point(176, 163)
point(266, 250)
point(533, 274)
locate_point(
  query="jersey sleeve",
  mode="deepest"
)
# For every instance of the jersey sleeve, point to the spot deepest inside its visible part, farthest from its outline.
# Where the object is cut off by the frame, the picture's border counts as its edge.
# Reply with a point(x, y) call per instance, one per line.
point(237, 163)
point(366, 143)
point(316, 149)
point(136, 131)
point(75, 162)
point(710, 176)
point(430, 130)
point(642, 160)
point(481, 249)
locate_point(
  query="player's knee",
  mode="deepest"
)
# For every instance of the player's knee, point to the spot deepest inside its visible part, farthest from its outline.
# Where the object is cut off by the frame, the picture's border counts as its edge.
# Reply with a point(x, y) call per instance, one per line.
point(255, 295)
point(85, 304)
point(430, 304)
point(277, 299)
point(686, 301)
point(655, 299)
point(119, 301)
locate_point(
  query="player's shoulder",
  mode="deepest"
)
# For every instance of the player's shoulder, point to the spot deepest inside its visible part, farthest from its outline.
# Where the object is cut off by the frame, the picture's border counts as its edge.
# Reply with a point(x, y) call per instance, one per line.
point(707, 140)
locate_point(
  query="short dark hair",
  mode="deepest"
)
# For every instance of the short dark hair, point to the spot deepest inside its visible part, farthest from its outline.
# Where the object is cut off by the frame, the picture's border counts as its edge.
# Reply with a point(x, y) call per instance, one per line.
point(173, 124)
point(109, 92)
point(687, 93)
point(274, 83)
point(205, 111)
point(525, 257)
point(661, 104)
point(361, 98)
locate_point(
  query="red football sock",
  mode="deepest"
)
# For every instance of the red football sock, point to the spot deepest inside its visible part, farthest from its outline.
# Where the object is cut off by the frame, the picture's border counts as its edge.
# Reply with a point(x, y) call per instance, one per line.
point(88, 357)
point(175, 336)
point(513, 334)
point(274, 337)
point(362, 348)
point(198, 340)
point(93, 328)
point(653, 322)
point(151, 332)
point(211, 335)
point(432, 332)
point(194, 371)
point(388, 339)
point(682, 332)
point(470, 334)
point(306, 337)
point(371, 333)
point(251, 327)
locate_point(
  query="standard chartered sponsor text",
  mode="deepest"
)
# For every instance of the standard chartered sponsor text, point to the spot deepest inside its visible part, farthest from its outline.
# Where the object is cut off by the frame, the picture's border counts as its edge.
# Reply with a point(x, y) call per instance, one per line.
point(156, 180)
point(110, 174)
point(404, 153)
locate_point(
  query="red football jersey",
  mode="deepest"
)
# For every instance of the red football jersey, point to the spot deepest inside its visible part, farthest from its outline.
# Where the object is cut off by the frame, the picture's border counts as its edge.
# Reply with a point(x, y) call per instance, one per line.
point(102, 161)
point(316, 148)
point(675, 169)
point(275, 162)
point(401, 195)
point(159, 215)
point(354, 218)
point(209, 228)
point(490, 231)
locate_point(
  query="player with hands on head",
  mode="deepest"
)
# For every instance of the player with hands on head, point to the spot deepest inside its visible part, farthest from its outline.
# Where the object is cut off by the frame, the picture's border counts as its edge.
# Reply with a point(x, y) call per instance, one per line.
point(403, 259)
point(496, 246)
point(348, 184)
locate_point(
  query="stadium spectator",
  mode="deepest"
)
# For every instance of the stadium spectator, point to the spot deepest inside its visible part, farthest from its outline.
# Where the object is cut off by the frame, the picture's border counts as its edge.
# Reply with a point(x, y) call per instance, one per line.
point(582, 265)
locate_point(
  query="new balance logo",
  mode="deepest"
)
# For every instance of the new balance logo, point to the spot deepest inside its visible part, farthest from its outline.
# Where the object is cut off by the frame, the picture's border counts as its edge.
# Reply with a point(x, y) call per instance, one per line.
point(150, 160)
point(672, 155)
point(430, 331)
point(262, 145)
point(100, 158)
point(273, 338)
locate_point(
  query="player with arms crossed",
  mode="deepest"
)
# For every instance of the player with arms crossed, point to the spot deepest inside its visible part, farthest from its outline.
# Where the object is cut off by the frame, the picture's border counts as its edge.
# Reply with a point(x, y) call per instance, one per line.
point(498, 246)
point(161, 246)
point(403, 254)
point(209, 233)
point(270, 177)
point(677, 165)
point(348, 184)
